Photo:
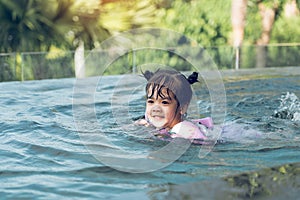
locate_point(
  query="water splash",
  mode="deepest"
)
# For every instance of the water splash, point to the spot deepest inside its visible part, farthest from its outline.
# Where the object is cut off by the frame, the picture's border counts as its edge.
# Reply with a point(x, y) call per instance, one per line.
point(289, 107)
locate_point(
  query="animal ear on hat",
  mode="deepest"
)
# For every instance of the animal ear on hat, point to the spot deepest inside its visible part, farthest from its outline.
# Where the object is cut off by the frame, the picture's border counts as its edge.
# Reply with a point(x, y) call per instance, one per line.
point(147, 74)
point(193, 78)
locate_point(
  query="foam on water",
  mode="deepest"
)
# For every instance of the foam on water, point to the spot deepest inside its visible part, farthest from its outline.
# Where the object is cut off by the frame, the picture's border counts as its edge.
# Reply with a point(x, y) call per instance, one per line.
point(289, 107)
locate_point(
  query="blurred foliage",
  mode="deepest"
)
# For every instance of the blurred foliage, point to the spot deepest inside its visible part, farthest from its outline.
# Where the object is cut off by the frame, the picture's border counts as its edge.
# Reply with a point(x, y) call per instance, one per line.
point(24, 27)
point(35, 25)
point(7, 63)
point(55, 26)
point(38, 66)
point(286, 30)
point(38, 25)
point(203, 21)
point(253, 24)
point(127, 15)
point(253, 28)
point(134, 61)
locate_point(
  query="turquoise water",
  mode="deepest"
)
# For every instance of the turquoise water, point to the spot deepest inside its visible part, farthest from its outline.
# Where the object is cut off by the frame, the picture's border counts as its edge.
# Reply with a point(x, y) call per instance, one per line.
point(43, 156)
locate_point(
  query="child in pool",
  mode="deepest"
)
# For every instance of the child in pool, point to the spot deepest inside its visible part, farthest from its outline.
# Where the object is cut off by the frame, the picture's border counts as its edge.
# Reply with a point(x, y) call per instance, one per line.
point(168, 96)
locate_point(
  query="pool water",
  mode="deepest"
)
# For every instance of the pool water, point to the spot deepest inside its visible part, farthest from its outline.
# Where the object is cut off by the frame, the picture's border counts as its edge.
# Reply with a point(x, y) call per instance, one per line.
point(44, 156)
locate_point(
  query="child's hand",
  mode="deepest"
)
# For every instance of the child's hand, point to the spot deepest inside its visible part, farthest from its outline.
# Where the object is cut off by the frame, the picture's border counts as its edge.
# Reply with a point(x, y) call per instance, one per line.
point(142, 122)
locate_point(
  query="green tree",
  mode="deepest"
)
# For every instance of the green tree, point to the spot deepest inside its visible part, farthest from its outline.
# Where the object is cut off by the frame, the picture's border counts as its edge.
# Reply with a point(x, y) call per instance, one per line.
point(24, 27)
point(198, 20)
point(206, 22)
point(36, 25)
point(269, 10)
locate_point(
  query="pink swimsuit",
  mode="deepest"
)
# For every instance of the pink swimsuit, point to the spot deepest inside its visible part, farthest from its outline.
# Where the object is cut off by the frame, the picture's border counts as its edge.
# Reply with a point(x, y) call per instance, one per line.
point(193, 130)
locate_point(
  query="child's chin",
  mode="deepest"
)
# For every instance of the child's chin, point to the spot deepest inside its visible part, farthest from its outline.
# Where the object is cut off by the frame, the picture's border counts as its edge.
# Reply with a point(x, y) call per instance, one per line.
point(158, 124)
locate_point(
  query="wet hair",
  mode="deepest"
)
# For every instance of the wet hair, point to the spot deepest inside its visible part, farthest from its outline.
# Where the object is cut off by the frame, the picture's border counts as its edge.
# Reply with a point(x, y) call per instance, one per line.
point(173, 81)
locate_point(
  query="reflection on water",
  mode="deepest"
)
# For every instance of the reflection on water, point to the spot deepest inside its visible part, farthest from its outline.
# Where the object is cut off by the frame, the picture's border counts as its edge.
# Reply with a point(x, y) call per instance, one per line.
point(43, 155)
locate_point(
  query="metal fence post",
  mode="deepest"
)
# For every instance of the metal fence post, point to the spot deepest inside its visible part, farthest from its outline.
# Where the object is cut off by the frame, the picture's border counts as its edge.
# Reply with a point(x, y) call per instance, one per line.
point(237, 57)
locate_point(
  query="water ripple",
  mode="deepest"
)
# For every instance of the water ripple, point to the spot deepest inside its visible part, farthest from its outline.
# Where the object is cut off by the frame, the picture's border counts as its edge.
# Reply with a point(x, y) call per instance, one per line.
point(43, 156)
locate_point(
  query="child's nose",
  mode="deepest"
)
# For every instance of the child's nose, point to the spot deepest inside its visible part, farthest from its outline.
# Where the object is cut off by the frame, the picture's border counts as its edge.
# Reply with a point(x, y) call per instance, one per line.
point(156, 109)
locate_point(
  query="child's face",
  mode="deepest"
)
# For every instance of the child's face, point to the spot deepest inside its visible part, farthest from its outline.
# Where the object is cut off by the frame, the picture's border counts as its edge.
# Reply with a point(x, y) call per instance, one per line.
point(163, 112)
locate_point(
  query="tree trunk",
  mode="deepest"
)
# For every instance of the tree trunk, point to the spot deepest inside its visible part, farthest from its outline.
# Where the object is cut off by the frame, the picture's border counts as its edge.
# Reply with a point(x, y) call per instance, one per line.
point(268, 18)
point(238, 18)
point(79, 60)
point(291, 9)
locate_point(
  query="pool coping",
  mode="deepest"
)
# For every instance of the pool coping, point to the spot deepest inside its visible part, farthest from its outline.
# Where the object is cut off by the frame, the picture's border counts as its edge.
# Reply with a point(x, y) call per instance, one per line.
point(264, 73)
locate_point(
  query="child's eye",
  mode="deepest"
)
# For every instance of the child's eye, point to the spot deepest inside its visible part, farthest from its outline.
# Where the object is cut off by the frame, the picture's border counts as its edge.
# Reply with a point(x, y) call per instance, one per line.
point(165, 102)
point(150, 101)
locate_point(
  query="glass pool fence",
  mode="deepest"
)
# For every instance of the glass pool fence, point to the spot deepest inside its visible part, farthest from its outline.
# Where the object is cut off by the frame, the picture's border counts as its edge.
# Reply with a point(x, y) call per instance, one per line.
point(53, 65)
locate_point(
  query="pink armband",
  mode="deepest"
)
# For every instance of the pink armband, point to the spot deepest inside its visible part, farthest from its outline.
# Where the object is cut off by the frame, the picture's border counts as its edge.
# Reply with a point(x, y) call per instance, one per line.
point(207, 121)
